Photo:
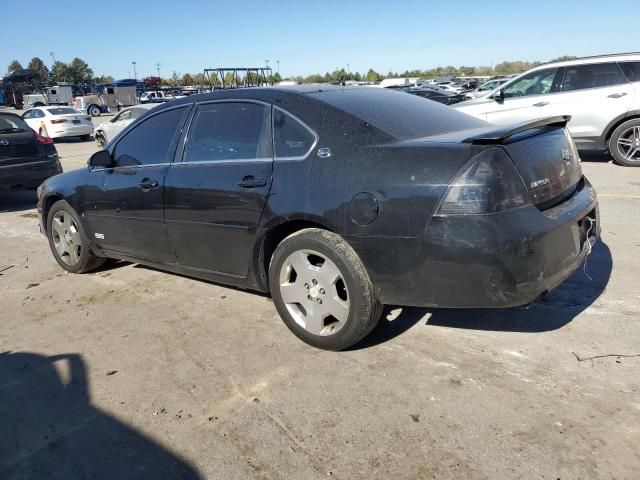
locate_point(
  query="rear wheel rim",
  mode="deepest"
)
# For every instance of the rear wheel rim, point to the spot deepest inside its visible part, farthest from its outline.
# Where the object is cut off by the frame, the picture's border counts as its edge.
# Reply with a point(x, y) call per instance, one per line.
point(629, 144)
point(314, 292)
point(66, 238)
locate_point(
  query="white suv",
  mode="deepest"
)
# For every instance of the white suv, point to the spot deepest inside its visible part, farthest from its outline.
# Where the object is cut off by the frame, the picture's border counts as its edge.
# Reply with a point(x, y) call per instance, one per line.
point(602, 95)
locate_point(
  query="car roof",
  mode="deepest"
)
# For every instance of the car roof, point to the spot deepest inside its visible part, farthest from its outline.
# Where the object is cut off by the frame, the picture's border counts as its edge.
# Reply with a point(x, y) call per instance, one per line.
point(616, 57)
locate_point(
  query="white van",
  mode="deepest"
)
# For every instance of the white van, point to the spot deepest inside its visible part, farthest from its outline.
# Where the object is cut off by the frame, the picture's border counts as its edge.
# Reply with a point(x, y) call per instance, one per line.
point(601, 94)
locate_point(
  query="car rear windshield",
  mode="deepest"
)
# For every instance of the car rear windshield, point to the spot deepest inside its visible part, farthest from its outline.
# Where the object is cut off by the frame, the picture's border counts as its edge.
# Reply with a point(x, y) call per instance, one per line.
point(61, 111)
point(12, 124)
point(400, 114)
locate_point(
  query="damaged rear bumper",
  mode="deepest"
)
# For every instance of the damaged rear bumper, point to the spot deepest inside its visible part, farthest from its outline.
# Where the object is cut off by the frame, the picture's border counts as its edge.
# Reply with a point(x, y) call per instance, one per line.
point(492, 261)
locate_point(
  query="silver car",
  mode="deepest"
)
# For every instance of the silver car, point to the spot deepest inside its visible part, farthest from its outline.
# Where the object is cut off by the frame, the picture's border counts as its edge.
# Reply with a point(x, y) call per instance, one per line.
point(601, 94)
point(107, 131)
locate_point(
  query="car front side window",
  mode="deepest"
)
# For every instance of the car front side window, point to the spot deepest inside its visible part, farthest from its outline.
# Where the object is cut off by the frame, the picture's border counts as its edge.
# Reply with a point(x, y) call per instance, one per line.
point(539, 82)
point(152, 142)
point(229, 131)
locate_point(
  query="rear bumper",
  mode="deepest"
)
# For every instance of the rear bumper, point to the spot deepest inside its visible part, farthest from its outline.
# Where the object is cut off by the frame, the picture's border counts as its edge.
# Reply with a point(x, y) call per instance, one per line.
point(487, 261)
point(28, 176)
point(71, 131)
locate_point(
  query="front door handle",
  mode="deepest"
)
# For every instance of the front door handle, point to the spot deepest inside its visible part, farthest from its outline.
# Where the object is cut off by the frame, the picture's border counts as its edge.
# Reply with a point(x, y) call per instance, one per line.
point(148, 184)
point(617, 95)
point(251, 182)
point(540, 104)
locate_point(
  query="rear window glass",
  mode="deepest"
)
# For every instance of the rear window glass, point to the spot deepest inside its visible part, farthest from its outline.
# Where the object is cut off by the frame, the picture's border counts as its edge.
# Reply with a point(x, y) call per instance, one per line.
point(581, 77)
point(631, 70)
point(61, 111)
point(11, 124)
point(399, 114)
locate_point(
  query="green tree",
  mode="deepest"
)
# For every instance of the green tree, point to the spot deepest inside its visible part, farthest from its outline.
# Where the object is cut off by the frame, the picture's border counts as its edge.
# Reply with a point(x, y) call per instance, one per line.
point(38, 65)
point(14, 65)
point(59, 72)
point(373, 76)
point(564, 58)
point(187, 79)
point(79, 71)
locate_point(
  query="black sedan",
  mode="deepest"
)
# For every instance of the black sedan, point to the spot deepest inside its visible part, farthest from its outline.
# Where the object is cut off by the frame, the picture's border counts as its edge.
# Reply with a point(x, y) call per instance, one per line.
point(335, 200)
point(26, 158)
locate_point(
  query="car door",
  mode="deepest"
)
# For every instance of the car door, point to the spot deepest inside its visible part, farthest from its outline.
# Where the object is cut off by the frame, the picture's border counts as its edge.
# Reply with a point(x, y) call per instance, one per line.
point(214, 196)
point(593, 94)
point(526, 98)
point(33, 118)
point(126, 216)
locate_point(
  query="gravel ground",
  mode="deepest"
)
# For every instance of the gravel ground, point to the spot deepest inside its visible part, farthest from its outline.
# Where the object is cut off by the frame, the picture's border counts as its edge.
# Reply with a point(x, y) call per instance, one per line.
point(135, 373)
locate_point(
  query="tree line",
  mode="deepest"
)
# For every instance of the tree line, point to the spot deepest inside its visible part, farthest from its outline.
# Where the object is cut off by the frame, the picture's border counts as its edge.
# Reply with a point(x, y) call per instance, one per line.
point(78, 72)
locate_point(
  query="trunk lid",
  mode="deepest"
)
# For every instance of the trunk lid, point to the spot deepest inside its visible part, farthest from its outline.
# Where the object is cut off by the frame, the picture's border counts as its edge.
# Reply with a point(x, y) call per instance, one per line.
point(17, 148)
point(543, 153)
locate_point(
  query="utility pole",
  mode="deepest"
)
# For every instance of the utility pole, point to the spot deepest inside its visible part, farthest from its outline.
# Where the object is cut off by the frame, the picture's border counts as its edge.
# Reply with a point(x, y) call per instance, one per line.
point(278, 62)
point(135, 74)
point(53, 56)
point(158, 68)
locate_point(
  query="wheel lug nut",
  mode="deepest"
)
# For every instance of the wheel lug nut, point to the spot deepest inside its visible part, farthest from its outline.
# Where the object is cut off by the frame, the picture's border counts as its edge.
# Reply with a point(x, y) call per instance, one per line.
point(309, 297)
point(314, 281)
point(306, 285)
point(319, 301)
point(322, 291)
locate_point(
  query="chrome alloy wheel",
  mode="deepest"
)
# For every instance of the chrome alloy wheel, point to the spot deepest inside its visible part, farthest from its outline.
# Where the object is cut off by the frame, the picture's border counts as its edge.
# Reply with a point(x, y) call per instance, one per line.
point(314, 292)
point(629, 144)
point(66, 238)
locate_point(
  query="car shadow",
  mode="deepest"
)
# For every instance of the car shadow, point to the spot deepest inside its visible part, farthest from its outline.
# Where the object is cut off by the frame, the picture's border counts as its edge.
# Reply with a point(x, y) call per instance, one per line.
point(49, 429)
point(551, 312)
point(73, 140)
point(18, 201)
point(596, 156)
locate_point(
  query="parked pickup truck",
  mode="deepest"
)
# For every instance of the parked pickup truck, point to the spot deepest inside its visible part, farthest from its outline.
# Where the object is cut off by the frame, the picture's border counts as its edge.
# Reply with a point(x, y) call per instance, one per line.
point(156, 96)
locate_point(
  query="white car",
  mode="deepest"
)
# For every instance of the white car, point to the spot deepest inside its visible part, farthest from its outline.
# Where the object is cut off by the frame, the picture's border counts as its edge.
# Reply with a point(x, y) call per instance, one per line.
point(449, 87)
point(601, 94)
point(58, 122)
point(108, 130)
point(486, 88)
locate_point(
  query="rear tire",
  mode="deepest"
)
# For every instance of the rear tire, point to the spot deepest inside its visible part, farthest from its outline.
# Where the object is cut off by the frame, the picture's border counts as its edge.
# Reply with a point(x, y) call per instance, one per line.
point(94, 111)
point(322, 290)
point(68, 241)
point(624, 144)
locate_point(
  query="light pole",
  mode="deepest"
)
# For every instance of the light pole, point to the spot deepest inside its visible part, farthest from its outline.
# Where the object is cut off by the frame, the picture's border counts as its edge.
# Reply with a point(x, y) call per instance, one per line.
point(53, 56)
point(135, 74)
point(278, 62)
point(158, 68)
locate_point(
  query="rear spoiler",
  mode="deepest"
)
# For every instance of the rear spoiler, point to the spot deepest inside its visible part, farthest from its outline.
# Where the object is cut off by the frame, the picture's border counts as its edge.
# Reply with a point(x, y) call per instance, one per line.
point(500, 135)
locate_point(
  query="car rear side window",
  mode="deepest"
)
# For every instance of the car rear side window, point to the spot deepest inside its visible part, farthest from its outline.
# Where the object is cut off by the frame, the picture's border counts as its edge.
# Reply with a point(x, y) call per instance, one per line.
point(597, 75)
point(292, 138)
point(152, 141)
point(631, 70)
point(12, 124)
point(229, 131)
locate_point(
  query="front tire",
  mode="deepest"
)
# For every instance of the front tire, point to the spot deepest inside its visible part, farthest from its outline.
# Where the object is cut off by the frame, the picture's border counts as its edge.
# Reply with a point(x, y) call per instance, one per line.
point(624, 144)
point(68, 241)
point(322, 291)
point(94, 111)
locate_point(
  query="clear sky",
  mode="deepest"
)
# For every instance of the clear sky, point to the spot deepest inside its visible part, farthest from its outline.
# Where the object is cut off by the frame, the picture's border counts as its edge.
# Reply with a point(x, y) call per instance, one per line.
point(312, 37)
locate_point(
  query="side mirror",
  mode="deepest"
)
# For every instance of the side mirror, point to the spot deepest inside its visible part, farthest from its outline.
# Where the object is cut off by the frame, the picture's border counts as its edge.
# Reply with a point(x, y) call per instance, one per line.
point(101, 158)
point(498, 96)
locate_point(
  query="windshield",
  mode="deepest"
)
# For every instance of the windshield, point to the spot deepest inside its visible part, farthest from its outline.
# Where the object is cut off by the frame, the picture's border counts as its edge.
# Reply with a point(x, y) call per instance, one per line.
point(400, 115)
point(62, 111)
point(11, 124)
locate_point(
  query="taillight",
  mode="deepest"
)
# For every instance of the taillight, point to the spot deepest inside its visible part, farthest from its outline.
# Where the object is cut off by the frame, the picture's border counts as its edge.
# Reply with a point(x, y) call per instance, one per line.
point(43, 140)
point(488, 184)
point(61, 120)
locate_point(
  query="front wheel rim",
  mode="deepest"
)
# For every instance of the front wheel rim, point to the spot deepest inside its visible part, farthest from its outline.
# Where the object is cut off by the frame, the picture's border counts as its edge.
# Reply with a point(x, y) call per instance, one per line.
point(314, 292)
point(628, 144)
point(66, 238)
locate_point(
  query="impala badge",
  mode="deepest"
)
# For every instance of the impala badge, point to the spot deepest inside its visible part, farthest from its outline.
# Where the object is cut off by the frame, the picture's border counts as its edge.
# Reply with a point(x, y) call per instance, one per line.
point(99, 236)
point(540, 183)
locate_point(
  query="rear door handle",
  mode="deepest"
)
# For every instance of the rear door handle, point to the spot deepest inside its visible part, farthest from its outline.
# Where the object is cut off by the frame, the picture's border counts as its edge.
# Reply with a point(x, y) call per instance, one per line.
point(148, 184)
point(252, 182)
point(617, 95)
point(540, 104)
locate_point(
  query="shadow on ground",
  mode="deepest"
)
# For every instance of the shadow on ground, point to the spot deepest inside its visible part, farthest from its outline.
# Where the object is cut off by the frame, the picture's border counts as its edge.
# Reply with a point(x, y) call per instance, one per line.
point(555, 310)
point(18, 201)
point(49, 429)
